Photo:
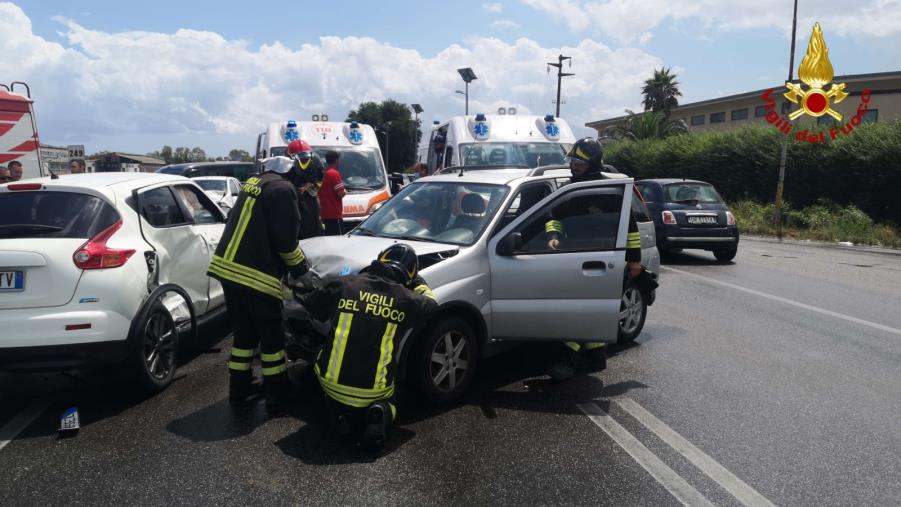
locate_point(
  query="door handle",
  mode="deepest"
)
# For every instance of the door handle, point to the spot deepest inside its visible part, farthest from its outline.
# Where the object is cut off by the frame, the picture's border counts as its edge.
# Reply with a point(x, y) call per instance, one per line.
point(594, 268)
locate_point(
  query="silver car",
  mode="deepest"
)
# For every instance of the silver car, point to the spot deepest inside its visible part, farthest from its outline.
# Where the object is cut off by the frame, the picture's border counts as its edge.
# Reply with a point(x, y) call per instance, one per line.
point(482, 247)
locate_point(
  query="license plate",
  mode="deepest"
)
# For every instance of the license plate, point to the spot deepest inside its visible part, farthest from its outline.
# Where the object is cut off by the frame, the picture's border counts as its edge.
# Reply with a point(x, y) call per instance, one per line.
point(12, 280)
point(702, 220)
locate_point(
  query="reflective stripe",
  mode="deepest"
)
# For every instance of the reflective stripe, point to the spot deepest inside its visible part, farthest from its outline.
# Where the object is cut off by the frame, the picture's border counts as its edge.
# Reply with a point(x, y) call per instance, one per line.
point(293, 258)
point(338, 346)
point(393, 411)
point(246, 212)
point(275, 370)
point(245, 281)
point(241, 352)
point(247, 271)
point(594, 345)
point(272, 357)
point(387, 349)
point(634, 240)
point(573, 345)
point(424, 290)
point(232, 365)
point(554, 226)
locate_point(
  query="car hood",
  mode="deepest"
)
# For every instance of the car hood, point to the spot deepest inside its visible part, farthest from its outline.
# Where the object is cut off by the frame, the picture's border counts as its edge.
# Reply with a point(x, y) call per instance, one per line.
point(345, 255)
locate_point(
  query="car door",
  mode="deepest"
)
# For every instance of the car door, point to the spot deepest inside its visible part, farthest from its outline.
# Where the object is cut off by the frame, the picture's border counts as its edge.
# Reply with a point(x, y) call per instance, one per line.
point(574, 292)
point(208, 222)
point(650, 257)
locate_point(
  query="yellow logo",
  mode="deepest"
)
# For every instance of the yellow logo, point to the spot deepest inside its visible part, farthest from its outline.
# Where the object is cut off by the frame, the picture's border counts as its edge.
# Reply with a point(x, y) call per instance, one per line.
point(816, 72)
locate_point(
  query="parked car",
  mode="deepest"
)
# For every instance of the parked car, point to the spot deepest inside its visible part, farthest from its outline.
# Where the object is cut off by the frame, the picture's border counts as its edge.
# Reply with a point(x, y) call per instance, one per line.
point(480, 237)
point(690, 214)
point(223, 190)
point(239, 170)
point(105, 269)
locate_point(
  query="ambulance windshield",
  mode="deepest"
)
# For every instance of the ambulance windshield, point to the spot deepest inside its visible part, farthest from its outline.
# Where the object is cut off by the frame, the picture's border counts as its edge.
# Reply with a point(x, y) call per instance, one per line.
point(528, 154)
point(360, 168)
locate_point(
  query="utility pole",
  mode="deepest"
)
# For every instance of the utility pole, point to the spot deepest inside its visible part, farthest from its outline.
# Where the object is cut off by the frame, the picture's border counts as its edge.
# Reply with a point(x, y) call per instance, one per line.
point(781, 185)
point(560, 75)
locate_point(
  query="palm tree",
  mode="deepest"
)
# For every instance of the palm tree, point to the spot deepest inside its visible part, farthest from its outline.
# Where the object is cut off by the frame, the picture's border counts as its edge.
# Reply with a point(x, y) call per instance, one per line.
point(660, 92)
point(647, 125)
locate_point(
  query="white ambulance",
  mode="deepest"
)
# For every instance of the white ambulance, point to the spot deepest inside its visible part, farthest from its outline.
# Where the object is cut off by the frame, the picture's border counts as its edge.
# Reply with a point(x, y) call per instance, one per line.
point(18, 131)
point(361, 165)
point(508, 140)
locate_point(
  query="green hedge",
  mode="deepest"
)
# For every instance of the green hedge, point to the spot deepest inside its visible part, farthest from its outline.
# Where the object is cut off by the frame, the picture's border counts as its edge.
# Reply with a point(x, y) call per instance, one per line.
point(861, 169)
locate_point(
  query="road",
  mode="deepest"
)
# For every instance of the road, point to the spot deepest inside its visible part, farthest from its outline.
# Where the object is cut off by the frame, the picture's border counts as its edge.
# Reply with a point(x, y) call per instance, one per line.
point(774, 379)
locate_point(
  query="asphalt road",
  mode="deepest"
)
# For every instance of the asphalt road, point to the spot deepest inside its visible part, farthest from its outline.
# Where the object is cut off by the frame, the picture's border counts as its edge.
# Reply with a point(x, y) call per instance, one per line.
point(772, 379)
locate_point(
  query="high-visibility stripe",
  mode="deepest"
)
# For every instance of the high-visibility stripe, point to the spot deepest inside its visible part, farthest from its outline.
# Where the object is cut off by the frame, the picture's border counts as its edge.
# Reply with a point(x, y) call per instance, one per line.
point(554, 226)
point(393, 411)
point(633, 240)
point(358, 392)
point(249, 272)
point(247, 282)
point(241, 352)
point(387, 349)
point(246, 212)
point(293, 258)
point(275, 370)
point(338, 346)
point(272, 357)
point(232, 365)
point(594, 345)
point(573, 345)
point(424, 290)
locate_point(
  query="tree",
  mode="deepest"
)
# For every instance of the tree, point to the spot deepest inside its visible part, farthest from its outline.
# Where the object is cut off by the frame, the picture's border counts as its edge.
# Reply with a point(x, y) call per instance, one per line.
point(660, 92)
point(397, 132)
point(237, 155)
point(647, 125)
point(197, 155)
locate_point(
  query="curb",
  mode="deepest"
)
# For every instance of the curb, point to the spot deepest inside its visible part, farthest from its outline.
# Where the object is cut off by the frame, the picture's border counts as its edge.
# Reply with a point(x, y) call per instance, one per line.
point(824, 244)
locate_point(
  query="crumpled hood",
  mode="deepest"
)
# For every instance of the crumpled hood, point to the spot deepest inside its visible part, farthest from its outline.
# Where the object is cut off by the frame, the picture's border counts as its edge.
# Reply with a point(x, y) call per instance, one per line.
point(344, 255)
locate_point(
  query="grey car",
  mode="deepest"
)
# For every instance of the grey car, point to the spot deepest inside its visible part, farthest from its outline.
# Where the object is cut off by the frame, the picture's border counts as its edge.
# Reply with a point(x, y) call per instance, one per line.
point(481, 242)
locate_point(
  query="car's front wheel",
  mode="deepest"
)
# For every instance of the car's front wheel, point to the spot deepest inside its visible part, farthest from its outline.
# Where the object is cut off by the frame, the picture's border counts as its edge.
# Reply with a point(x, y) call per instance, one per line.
point(445, 359)
point(633, 310)
point(154, 357)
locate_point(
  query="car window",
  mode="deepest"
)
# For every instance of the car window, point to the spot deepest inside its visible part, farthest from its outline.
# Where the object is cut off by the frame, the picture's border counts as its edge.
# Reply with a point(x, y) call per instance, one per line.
point(639, 211)
point(234, 187)
point(525, 198)
point(588, 220)
point(212, 185)
point(53, 215)
point(648, 191)
point(200, 207)
point(689, 192)
point(159, 208)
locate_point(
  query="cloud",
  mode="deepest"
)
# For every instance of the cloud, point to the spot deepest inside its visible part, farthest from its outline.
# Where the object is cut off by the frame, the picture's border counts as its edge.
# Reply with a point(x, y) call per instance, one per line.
point(503, 24)
point(496, 8)
point(148, 89)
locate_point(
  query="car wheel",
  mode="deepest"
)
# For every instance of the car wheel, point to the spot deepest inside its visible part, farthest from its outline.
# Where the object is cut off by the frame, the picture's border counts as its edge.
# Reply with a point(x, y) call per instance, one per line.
point(155, 355)
point(632, 312)
point(725, 255)
point(445, 360)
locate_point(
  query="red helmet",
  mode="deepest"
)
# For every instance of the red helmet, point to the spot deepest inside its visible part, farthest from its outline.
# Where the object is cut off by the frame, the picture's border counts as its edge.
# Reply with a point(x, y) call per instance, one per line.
point(298, 146)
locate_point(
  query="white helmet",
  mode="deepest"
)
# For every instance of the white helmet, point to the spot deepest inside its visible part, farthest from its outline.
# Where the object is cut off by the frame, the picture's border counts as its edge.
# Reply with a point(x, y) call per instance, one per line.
point(280, 165)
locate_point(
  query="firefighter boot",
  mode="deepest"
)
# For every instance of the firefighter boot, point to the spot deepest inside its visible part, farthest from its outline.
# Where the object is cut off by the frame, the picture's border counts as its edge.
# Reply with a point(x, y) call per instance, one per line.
point(563, 368)
point(378, 421)
point(596, 354)
point(279, 393)
point(241, 386)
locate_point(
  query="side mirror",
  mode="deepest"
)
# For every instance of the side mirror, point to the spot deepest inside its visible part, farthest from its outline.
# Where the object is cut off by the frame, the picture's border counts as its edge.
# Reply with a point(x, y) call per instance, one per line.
point(509, 245)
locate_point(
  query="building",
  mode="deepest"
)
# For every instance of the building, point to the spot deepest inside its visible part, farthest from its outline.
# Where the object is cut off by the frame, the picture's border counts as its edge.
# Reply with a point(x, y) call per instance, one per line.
point(749, 108)
point(125, 162)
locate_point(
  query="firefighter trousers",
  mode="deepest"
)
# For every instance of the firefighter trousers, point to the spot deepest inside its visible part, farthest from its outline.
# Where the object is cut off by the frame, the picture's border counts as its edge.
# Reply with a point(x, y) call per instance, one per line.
point(578, 346)
point(257, 322)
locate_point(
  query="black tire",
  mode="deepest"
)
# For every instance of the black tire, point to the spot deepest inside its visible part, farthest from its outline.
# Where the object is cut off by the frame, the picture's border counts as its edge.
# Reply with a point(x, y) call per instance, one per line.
point(725, 255)
point(154, 356)
point(445, 381)
point(633, 311)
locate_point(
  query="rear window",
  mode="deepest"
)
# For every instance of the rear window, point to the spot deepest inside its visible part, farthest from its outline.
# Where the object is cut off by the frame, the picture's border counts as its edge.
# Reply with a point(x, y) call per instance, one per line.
point(53, 215)
point(691, 192)
point(171, 170)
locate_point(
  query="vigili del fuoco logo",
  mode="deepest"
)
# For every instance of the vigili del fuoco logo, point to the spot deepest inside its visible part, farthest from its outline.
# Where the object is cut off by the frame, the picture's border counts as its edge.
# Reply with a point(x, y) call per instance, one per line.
point(815, 101)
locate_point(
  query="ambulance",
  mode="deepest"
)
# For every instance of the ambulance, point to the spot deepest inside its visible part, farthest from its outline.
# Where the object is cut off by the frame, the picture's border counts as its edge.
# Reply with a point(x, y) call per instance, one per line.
point(18, 131)
point(504, 139)
point(361, 165)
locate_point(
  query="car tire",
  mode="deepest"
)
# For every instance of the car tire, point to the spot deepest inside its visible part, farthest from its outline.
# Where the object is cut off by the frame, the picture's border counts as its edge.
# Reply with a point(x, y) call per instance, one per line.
point(154, 355)
point(444, 360)
point(633, 310)
point(724, 255)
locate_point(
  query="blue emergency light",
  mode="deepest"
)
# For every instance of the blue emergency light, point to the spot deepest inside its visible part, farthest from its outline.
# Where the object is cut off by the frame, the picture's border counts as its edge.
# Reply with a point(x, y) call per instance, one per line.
point(480, 117)
point(548, 117)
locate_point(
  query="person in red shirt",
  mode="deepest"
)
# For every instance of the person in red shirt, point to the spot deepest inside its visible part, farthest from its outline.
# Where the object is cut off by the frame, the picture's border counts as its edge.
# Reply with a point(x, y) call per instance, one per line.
point(330, 196)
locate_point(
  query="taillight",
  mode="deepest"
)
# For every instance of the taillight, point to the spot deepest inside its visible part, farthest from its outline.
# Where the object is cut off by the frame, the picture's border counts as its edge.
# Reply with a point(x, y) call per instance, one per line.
point(730, 218)
point(94, 254)
point(669, 218)
point(14, 187)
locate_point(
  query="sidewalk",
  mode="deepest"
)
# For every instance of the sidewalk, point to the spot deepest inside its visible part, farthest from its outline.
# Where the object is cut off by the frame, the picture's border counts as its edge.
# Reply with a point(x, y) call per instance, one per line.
point(824, 244)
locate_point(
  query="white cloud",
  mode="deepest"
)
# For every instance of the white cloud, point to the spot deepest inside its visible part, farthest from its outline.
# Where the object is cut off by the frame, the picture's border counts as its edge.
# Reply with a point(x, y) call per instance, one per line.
point(196, 87)
point(503, 24)
point(496, 8)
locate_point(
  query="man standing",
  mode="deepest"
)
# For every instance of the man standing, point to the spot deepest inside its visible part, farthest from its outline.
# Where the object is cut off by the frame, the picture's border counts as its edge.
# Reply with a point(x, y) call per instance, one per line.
point(307, 174)
point(258, 247)
point(330, 196)
point(15, 170)
point(4, 174)
point(77, 166)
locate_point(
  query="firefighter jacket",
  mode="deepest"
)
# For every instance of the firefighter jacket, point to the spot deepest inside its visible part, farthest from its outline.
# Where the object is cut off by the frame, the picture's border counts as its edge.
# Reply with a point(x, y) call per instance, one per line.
point(308, 177)
point(556, 230)
point(370, 313)
point(259, 244)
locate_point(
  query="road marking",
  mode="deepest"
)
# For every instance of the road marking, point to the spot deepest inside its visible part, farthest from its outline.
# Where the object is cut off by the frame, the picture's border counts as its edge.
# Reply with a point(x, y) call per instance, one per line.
point(816, 309)
point(9, 432)
point(666, 476)
point(735, 486)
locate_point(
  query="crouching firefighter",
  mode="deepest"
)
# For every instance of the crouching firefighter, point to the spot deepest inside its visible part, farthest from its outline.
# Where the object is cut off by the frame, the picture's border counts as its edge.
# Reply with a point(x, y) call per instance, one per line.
point(258, 247)
point(586, 162)
point(369, 313)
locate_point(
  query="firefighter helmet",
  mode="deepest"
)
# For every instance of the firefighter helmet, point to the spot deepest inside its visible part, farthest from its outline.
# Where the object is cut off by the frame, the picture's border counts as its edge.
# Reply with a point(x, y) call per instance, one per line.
point(300, 150)
point(588, 150)
point(401, 260)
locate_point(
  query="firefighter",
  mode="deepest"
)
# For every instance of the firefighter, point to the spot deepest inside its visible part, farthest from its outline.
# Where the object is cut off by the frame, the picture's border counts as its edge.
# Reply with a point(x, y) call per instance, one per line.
point(306, 174)
point(586, 160)
point(258, 247)
point(369, 314)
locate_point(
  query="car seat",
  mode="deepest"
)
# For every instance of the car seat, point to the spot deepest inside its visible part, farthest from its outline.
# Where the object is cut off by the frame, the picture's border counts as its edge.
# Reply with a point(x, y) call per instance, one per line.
point(497, 157)
point(473, 211)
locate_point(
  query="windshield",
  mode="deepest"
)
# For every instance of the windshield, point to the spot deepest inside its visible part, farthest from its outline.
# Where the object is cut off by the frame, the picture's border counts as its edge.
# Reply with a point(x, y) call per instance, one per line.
point(528, 154)
point(441, 212)
point(212, 185)
point(53, 215)
point(171, 170)
point(700, 192)
point(360, 168)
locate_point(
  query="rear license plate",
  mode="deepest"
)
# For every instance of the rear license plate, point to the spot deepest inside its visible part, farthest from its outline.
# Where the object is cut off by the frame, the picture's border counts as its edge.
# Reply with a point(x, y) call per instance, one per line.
point(702, 220)
point(12, 280)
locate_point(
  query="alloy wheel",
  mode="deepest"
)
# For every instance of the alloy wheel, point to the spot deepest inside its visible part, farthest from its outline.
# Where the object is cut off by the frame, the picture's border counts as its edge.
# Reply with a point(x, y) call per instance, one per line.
point(450, 359)
point(630, 310)
point(160, 340)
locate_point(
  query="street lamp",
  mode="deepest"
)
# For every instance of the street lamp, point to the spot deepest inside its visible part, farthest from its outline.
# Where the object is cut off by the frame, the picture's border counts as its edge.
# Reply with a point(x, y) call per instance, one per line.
point(468, 76)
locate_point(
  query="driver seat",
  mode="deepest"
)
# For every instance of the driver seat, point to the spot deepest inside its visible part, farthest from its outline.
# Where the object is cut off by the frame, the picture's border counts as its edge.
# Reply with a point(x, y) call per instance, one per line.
point(472, 214)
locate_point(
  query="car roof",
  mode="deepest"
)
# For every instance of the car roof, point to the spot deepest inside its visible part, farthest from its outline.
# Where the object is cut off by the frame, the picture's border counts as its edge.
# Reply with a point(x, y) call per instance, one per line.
point(490, 176)
point(189, 165)
point(214, 178)
point(669, 181)
point(100, 180)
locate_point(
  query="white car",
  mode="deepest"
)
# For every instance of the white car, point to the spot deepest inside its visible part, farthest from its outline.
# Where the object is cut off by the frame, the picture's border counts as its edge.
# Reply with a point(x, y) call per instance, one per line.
point(86, 279)
point(223, 190)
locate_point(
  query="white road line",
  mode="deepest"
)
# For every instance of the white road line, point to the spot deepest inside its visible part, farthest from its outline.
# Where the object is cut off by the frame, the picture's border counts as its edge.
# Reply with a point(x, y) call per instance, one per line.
point(9, 432)
point(666, 476)
point(816, 309)
point(735, 486)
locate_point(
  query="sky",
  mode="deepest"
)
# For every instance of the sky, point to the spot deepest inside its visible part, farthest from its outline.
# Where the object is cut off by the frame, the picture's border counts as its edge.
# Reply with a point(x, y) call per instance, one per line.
point(132, 77)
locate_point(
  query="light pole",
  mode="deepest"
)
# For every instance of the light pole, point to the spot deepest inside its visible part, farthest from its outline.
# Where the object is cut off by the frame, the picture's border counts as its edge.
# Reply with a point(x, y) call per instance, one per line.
point(781, 185)
point(416, 109)
point(384, 130)
point(560, 75)
point(468, 76)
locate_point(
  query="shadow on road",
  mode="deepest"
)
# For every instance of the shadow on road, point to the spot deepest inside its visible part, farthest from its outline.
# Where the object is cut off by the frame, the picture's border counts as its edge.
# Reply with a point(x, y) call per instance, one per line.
point(692, 258)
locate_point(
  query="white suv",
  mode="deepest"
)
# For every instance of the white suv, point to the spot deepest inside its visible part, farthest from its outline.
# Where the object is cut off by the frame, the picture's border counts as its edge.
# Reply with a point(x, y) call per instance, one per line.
point(86, 279)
